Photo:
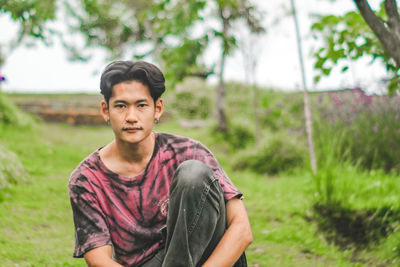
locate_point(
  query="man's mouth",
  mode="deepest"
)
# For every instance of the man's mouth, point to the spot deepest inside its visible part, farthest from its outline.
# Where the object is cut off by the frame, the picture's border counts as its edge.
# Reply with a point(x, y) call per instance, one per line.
point(131, 129)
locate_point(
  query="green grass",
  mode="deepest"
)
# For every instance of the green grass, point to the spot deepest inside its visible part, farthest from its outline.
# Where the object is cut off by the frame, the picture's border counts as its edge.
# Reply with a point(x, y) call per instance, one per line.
point(36, 227)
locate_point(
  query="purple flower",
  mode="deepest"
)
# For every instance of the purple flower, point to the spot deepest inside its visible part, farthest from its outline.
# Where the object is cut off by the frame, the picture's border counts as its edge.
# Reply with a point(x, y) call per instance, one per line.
point(376, 128)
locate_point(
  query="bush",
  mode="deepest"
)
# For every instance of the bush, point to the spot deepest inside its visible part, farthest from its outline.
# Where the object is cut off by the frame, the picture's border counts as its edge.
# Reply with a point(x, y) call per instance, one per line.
point(11, 169)
point(283, 111)
point(11, 115)
point(191, 100)
point(236, 137)
point(280, 153)
point(191, 106)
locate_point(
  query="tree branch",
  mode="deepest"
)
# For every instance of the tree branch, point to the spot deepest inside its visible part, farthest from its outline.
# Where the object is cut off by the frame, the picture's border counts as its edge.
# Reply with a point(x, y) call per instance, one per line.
point(373, 21)
point(393, 17)
point(387, 39)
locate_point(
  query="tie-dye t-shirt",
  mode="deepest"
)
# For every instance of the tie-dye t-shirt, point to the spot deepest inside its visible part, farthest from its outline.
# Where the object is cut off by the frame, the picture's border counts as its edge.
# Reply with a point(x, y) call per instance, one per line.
point(128, 212)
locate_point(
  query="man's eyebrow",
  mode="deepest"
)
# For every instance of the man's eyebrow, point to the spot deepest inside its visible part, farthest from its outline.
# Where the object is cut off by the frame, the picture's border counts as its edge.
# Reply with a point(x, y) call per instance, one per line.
point(141, 101)
point(126, 102)
point(120, 101)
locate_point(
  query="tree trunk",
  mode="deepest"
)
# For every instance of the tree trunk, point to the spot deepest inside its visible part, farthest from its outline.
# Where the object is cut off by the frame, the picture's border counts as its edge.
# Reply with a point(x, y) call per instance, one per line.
point(220, 97)
point(387, 33)
point(248, 44)
point(307, 110)
point(252, 81)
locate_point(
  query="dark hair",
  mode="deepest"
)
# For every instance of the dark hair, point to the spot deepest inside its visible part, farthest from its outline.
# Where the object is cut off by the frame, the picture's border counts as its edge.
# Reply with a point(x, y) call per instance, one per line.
point(141, 71)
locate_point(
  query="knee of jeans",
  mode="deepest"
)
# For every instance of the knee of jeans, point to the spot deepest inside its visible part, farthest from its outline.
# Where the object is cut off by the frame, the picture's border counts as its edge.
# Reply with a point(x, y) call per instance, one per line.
point(193, 173)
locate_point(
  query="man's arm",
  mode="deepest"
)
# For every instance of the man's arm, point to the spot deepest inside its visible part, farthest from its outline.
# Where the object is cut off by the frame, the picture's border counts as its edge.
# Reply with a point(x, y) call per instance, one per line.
point(236, 238)
point(101, 257)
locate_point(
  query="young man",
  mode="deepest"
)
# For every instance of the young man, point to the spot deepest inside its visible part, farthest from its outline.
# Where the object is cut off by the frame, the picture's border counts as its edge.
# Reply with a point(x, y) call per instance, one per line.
point(148, 198)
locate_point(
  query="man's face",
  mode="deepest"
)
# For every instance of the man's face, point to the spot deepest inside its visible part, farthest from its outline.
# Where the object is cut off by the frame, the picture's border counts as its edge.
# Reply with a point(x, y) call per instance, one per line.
point(131, 111)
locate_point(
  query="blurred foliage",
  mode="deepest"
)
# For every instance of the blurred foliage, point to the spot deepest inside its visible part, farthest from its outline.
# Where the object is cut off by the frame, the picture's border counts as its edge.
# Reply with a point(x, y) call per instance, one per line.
point(161, 30)
point(236, 137)
point(193, 107)
point(11, 169)
point(174, 34)
point(358, 128)
point(31, 17)
point(192, 99)
point(278, 153)
point(11, 115)
point(181, 60)
point(283, 111)
point(347, 38)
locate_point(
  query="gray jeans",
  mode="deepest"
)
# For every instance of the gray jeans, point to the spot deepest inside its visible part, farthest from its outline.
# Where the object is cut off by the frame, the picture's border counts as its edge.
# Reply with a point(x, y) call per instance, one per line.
point(196, 218)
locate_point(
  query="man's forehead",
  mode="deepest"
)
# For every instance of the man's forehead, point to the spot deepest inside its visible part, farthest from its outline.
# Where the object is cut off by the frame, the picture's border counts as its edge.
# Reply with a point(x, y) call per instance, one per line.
point(130, 88)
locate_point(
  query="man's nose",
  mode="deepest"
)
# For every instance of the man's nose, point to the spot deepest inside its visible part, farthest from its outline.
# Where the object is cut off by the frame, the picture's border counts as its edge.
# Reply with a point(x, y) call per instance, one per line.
point(131, 114)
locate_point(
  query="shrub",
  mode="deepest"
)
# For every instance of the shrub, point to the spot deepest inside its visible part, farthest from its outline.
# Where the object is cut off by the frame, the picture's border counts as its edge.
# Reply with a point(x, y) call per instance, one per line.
point(283, 111)
point(191, 100)
point(236, 137)
point(11, 169)
point(191, 106)
point(279, 153)
point(11, 115)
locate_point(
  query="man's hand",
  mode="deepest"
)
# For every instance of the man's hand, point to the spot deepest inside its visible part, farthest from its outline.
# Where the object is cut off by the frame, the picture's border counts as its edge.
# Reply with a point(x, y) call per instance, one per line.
point(101, 257)
point(236, 238)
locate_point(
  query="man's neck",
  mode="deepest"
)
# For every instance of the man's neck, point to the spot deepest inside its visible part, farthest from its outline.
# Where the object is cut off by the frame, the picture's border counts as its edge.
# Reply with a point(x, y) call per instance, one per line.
point(128, 159)
point(134, 153)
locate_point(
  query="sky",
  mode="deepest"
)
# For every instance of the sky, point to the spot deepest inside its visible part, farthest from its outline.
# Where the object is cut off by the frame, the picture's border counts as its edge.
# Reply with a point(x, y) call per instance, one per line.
point(47, 69)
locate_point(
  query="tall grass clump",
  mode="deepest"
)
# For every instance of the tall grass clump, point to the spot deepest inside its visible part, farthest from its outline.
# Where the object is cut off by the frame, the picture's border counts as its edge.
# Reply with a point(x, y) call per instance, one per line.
point(355, 135)
point(356, 201)
point(356, 208)
point(366, 129)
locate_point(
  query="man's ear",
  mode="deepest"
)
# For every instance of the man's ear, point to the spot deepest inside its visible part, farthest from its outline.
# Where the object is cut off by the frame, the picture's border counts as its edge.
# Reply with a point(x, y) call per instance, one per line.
point(159, 108)
point(105, 111)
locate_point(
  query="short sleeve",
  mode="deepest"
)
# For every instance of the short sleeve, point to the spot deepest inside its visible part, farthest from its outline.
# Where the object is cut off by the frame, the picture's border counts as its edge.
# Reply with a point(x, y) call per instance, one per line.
point(91, 230)
point(204, 155)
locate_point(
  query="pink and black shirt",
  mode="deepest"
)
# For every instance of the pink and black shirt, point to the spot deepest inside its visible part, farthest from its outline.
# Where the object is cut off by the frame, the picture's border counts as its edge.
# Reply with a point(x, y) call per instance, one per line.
point(128, 212)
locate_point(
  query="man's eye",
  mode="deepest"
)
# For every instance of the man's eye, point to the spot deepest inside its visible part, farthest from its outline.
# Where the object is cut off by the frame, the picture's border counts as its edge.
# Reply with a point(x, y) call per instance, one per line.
point(119, 106)
point(142, 105)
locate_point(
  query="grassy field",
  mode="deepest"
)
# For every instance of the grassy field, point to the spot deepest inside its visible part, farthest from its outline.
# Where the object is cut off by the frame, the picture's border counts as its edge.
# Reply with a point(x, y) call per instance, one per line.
point(345, 216)
point(36, 227)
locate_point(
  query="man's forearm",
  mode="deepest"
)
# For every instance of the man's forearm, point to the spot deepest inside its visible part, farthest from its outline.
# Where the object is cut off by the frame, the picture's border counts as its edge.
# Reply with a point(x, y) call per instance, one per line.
point(104, 263)
point(101, 257)
point(230, 247)
point(236, 238)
